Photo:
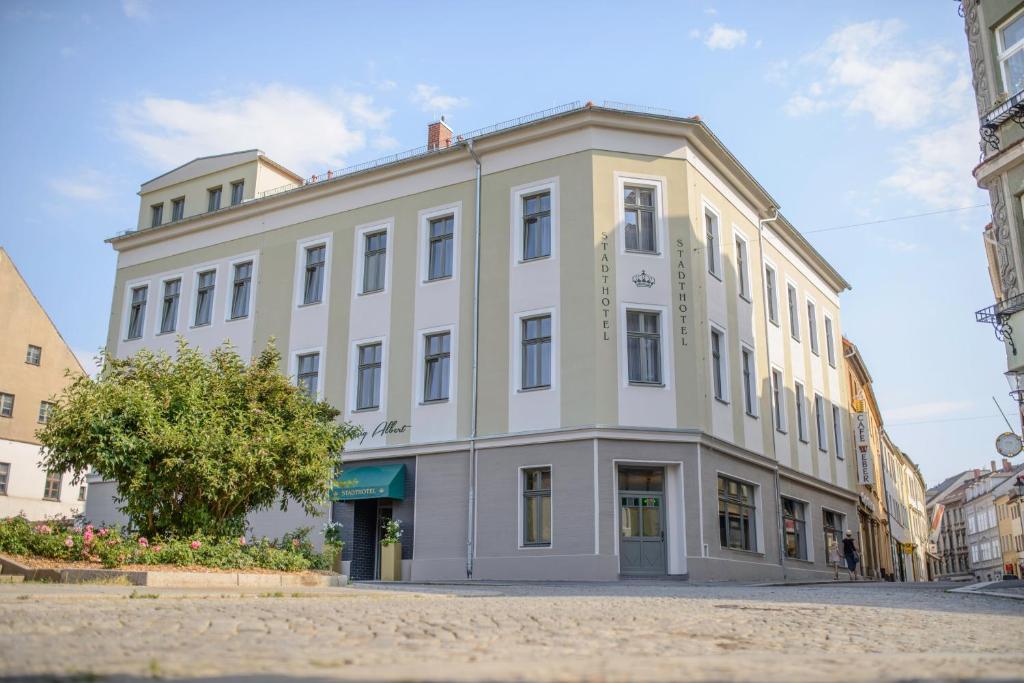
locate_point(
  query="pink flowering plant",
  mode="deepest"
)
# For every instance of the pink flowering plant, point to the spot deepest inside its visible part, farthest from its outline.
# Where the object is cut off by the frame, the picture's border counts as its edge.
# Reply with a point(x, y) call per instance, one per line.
point(115, 547)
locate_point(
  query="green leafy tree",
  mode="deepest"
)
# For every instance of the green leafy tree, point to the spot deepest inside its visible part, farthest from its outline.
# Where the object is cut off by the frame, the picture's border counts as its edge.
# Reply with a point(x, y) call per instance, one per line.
point(196, 442)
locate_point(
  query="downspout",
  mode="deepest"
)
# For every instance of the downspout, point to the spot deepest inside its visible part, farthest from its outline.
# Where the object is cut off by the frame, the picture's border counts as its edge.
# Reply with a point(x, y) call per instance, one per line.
point(471, 497)
point(761, 223)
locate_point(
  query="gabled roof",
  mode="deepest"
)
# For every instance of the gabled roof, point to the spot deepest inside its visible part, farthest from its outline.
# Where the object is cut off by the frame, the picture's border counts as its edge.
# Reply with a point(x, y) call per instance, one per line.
point(201, 166)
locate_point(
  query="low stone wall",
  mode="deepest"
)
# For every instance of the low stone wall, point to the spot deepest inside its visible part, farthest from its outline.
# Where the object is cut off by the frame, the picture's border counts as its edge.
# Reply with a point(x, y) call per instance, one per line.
point(164, 579)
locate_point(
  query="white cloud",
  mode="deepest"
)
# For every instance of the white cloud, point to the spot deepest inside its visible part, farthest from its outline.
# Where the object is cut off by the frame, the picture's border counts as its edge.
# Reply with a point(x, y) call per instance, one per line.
point(87, 185)
point(724, 38)
point(935, 166)
point(386, 85)
point(868, 68)
point(431, 99)
point(927, 411)
point(710, 11)
point(136, 9)
point(386, 143)
point(297, 128)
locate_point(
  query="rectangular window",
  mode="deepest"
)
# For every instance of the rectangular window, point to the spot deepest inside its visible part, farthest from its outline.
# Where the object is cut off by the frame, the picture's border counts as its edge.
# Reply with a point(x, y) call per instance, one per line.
point(169, 313)
point(5, 477)
point(44, 412)
point(643, 346)
point(52, 489)
point(537, 506)
point(832, 525)
point(214, 198)
point(640, 228)
point(81, 493)
point(812, 326)
point(436, 364)
point(711, 230)
point(374, 262)
point(34, 355)
point(837, 431)
point(308, 376)
point(819, 420)
point(237, 192)
point(772, 293)
point(177, 209)
point(778, 407)
point(718, 364)
point(801, 413)
point(537, 226)
point(794, 529)
point(6, 405)
point(536, 352)
point(204, 297)
point(1010, 45)
point(240, 290)
point(313, 287)
point(137, 312)
point(749, 379)
point(157, 215)
point(794, 312)
point(442, 244)
point(742, 274)
point(830, 342)
point(368, 377)
point(736, 514)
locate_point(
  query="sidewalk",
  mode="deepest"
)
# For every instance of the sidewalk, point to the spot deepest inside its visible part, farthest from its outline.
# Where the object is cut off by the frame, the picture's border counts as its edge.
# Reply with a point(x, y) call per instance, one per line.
point(1001, 589)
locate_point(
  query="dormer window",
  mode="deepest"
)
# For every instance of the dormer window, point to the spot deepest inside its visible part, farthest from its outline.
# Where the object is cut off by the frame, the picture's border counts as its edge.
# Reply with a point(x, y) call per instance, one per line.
point(1010, 44)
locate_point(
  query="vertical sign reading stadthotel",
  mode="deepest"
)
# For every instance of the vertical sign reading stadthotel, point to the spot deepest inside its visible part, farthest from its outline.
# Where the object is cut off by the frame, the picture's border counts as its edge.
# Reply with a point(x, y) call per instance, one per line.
point(865, 463)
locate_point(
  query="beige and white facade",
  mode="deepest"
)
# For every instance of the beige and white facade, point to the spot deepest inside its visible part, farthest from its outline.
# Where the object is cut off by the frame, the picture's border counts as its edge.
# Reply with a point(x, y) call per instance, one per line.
point(33, 361)
point(622, 376)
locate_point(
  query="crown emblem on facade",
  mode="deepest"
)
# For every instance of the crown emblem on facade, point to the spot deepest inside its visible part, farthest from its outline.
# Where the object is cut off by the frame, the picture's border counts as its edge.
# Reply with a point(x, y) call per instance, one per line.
point(642, 279)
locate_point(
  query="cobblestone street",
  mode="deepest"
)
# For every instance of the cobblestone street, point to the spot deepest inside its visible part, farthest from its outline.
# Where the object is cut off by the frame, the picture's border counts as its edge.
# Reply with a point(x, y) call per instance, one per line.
point(631, 630)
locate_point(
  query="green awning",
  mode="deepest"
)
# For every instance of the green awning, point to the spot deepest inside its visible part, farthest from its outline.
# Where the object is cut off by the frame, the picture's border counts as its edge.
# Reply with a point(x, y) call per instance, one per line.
point(370, 481)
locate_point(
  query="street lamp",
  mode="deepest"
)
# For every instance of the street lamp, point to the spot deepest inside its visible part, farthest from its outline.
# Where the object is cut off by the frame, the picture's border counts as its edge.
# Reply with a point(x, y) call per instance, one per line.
point(1016, 381)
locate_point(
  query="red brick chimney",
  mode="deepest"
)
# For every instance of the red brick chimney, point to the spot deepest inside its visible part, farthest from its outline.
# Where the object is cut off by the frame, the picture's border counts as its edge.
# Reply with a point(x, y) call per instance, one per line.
point(439, 135)
point(977, 474)
point(1006, 465)
point(993, 465)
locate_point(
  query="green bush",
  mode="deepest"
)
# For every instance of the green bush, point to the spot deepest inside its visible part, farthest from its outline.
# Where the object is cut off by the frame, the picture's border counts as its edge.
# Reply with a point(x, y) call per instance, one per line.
point(63, 539)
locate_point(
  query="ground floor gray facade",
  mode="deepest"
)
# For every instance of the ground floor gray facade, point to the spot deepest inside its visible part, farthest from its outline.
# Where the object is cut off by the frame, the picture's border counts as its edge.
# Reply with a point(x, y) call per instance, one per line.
point(586, 505)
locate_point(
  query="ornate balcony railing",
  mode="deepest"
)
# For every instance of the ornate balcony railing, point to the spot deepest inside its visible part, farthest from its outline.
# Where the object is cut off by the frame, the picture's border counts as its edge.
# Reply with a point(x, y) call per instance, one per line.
point(998, 315)
point(1013, 108)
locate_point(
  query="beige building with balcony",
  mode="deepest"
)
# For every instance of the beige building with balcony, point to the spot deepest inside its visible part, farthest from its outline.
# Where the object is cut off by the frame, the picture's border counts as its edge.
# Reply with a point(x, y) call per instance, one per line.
point(33, 361)
point(580, 345)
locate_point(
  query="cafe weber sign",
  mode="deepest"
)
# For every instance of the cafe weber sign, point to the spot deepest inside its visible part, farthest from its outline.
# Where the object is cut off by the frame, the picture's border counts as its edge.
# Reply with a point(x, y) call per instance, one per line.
point(865, 463)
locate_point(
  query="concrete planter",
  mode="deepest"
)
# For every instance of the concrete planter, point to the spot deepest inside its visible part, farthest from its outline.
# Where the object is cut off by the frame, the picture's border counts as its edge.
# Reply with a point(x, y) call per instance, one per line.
point(391, 562)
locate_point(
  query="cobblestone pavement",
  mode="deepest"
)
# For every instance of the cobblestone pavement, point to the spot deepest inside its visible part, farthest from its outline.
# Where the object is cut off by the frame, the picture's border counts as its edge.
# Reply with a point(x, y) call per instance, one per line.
point(544, 632)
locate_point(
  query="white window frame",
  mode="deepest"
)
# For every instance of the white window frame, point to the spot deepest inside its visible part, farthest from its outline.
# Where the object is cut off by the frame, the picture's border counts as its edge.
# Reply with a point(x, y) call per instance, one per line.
point(516, 195)
point(802, 426)
point(359, 256)
point(299, 285)
point(516, 378)
point(771, 297)
point(423, 219)
point(658, 183)
point(793, 311)
point(663, 332)
point(780, 415)
point(419, 341)
point(830, 339)
point(254, 257)
point(812, 330)
point(182, 296)
point(821, 422)
point(521, 510)
point(1003, 52)
point(353, 374)
point(837, 431)
point(754, 412)
point(742, 245)
point(715, 263)
point(126, 308)
point(293, 368)
point(723, 354)
point(194, 294)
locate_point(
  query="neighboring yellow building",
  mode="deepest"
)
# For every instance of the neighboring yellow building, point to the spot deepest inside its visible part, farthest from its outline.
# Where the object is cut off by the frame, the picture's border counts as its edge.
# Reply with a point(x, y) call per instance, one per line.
point(1011, 532)
point(33, 361)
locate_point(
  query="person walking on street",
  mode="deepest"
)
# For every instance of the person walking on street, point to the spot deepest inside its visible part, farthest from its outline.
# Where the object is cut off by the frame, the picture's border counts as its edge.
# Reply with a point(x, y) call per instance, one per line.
point(834, 558)
point(850, 554)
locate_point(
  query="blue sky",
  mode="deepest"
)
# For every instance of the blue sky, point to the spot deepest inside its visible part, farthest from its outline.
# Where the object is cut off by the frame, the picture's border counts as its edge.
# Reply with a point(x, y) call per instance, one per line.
point(852, 113)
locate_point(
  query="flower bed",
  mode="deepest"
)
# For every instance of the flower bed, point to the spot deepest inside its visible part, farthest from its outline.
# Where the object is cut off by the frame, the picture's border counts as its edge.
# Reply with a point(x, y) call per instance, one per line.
point(64, 541)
